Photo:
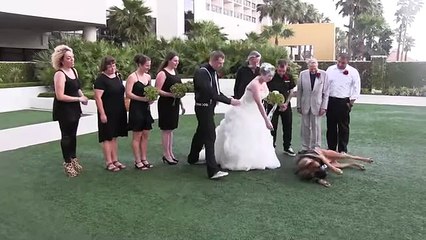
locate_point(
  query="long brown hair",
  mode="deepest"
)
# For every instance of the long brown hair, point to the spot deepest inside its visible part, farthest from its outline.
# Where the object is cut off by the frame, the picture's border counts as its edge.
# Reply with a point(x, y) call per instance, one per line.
point(169, 56)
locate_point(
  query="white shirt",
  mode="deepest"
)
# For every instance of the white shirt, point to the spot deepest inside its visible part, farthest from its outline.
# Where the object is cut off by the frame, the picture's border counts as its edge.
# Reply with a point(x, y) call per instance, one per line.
point(343, 86)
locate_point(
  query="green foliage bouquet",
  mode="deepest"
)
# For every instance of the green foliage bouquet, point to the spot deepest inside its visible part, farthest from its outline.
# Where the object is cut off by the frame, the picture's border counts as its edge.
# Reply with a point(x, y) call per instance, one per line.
point(274, 98)
point(178, 90)
point(151, 93)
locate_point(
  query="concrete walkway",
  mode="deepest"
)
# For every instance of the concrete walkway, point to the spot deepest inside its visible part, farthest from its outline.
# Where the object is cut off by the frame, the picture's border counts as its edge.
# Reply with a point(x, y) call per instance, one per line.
point(15, 138)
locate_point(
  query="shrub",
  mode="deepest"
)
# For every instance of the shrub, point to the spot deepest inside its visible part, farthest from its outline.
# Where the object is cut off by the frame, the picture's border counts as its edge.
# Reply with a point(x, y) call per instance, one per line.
point(192, 54)
point(406, 74)
point(14, 72)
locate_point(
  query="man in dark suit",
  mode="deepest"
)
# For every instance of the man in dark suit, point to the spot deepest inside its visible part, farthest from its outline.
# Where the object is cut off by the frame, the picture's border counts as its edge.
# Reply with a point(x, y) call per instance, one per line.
point(207, 94)
point(246, 73)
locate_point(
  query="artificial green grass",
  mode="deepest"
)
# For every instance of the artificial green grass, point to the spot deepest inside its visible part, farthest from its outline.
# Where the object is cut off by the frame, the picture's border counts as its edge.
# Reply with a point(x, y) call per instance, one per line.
point(23, 117)
point(179, 202)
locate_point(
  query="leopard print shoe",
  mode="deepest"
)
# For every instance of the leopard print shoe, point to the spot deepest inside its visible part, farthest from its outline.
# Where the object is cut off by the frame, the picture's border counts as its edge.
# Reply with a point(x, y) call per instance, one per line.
point(69, 170)
point(77, 167)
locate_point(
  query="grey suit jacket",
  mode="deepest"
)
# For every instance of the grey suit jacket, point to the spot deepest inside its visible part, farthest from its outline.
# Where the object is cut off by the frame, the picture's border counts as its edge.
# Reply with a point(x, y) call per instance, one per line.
point(312, 99)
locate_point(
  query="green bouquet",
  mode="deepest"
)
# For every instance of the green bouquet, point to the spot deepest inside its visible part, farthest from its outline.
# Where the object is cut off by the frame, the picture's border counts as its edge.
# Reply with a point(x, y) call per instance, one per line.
point(151, 93)
point(274, 98)
point(178, 90)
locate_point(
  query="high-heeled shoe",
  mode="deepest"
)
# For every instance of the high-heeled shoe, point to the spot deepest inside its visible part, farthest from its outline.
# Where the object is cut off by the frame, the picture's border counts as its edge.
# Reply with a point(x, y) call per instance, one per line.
point(174, 159)
point(168, 162)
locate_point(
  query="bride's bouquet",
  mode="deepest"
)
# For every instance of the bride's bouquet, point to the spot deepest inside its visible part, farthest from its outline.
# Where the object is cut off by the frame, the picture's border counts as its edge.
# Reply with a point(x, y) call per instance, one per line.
point(274, 98)
point(151, 93)
point(178, 90)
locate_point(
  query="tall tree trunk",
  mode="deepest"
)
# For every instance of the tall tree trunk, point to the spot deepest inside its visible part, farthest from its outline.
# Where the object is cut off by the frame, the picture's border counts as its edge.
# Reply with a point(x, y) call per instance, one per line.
point(291, 52)
point(405, 57)
point(350, 30)
point(404, 42)
point(399, 43)
point(276, 40)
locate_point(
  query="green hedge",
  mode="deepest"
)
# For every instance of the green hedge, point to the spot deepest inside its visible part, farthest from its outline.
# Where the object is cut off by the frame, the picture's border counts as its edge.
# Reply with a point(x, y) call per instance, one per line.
point(192, 53)
point(16, 72)
point(406, 74)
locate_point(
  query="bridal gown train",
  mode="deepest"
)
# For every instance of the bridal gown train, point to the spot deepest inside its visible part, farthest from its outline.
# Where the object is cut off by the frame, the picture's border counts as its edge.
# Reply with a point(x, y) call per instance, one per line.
point(243, 142)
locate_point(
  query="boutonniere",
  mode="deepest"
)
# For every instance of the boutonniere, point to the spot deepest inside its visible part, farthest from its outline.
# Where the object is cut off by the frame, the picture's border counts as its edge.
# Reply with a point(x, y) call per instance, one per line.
point(286, 77)
point(346, 72)
point(318, 74)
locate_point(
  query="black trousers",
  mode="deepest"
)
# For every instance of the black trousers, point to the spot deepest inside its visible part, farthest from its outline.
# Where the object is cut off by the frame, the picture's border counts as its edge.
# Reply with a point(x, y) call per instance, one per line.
point(68, 139)
point(286, 121)
point(338, 120)
point(205, 135)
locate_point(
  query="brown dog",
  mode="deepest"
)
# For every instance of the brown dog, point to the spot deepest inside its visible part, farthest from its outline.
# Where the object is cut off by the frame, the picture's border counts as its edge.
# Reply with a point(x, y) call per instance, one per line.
point(312, 164)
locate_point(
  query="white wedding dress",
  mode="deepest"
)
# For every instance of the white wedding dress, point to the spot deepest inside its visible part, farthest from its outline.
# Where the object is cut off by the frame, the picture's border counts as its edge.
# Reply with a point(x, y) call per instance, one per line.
point(243, 142)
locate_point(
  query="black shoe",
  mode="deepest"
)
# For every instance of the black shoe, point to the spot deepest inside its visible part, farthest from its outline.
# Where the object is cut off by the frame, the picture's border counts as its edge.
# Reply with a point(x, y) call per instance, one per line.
point(168, 162)
point(191, 160)
point(174, 159)
point(289, 151)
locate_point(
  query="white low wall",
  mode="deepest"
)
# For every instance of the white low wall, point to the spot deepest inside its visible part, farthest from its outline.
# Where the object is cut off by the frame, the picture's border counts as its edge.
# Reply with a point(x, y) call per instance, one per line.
point(14, 99)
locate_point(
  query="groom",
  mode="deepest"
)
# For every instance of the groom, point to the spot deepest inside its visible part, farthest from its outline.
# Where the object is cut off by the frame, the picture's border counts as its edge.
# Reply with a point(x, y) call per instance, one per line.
point(207, 94)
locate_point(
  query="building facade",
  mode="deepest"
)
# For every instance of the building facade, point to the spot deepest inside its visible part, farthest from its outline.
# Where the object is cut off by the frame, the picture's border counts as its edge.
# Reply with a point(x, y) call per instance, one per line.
point(236, 17)
point(24, 24)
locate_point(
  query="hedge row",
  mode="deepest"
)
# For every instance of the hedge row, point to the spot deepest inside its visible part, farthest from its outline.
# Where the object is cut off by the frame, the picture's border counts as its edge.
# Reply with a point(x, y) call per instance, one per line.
point(16, 72)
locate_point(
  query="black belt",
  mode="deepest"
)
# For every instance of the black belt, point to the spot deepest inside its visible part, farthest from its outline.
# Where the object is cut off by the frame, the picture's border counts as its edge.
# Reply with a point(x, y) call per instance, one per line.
point(342, 99)
point(202, 104)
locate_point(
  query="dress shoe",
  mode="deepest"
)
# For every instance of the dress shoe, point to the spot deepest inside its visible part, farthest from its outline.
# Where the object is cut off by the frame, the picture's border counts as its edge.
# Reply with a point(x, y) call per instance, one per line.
point(219, 174)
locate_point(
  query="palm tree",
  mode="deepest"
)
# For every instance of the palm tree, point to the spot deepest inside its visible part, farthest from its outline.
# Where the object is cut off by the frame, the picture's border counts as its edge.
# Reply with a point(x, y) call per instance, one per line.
point(408, 45)
point(272, 9)
point(205, 29)
point(341, 41)
point(254, 37)
point(352, 9)
point(276, 31)
point(132, 22)
point(405, 16)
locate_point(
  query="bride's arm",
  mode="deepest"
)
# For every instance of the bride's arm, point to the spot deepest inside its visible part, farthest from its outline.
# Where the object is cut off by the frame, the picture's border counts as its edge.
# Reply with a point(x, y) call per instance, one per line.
point(255, 89)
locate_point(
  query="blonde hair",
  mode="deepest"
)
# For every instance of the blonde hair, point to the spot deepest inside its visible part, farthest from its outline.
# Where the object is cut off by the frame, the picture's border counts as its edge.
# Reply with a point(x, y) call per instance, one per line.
point(58, 55)
point(267, 69)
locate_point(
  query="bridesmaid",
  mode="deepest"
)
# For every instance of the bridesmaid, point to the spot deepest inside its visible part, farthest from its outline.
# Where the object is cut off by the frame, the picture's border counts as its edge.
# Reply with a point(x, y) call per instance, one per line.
point(140, 119)
point(168, 105)
point(112, 116)
point(66, 106)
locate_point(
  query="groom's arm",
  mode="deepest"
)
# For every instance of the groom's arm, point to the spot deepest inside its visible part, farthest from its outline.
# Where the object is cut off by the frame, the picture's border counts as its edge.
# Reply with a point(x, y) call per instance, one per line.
point(222, 98)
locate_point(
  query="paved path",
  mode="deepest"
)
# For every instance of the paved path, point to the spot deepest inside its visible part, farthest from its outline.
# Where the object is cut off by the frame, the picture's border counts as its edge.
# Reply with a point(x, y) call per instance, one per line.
point(29, 135)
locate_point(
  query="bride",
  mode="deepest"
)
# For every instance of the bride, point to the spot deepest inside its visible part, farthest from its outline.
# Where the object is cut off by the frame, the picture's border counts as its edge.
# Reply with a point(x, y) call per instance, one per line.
point(244, 140)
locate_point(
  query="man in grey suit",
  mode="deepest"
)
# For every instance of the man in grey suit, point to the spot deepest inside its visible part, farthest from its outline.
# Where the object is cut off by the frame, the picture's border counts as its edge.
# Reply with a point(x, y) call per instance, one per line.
point(312, 101)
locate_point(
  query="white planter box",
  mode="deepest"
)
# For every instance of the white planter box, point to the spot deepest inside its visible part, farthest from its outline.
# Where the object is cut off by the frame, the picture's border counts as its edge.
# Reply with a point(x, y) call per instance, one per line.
point(14, 99)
